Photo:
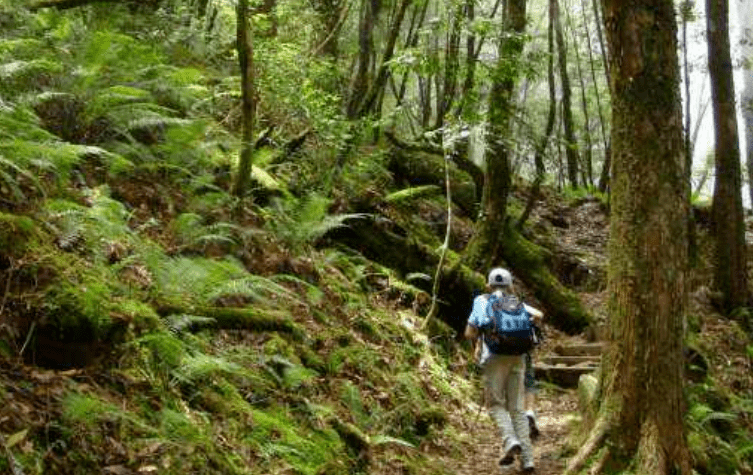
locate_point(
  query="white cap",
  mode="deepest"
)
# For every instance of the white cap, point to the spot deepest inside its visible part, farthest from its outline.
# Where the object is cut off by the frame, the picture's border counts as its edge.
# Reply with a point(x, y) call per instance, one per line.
point(499, 277)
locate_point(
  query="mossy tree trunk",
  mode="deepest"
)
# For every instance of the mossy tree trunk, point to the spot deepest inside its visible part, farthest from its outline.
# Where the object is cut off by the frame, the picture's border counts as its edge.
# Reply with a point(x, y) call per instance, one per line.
point(730, 274)
point(640, 421)
point(248, 101)
point(485, 248)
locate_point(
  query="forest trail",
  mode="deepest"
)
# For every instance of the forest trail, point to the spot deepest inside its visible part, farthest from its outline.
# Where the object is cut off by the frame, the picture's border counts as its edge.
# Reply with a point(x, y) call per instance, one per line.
point(557, 410)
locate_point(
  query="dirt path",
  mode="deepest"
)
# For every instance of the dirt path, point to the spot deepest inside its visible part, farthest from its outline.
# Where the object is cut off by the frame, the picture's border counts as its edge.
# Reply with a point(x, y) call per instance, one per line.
point(555, 410)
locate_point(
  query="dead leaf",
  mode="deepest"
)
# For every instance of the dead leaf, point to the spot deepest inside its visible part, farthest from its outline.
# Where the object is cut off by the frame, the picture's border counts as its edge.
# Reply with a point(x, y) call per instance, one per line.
point(16, 438)
point(117, 470)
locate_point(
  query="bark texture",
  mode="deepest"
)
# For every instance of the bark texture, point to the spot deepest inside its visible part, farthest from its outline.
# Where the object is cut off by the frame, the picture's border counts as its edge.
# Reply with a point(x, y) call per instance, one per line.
point(640, 418)
point(730, 274)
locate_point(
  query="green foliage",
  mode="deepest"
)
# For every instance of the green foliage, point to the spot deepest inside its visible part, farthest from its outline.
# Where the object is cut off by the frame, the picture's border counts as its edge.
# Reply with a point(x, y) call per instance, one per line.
point(192, 233)
point(574, 195)
point(302, 221)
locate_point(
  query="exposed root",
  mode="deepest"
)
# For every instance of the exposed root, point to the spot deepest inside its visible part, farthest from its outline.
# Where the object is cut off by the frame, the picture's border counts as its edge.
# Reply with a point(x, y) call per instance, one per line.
point(598, 467)
point(595, 439)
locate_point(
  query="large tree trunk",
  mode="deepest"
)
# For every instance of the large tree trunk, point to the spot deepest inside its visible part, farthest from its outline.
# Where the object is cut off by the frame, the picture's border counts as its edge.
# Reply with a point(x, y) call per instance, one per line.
point(730, 276)
point(640, 419)
point(571, 144)
point(248, 101)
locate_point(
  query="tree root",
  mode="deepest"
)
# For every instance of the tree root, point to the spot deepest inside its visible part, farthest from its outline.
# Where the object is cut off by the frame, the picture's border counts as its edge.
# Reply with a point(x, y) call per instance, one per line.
point(598, 467)
point(595, 439)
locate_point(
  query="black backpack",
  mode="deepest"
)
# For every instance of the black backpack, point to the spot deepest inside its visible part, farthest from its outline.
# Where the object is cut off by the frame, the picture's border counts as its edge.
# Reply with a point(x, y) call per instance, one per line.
point(511, 331)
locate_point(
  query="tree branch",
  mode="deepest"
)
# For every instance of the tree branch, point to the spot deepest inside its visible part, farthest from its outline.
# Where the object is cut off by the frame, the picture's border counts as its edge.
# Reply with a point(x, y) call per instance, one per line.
point(66, 4)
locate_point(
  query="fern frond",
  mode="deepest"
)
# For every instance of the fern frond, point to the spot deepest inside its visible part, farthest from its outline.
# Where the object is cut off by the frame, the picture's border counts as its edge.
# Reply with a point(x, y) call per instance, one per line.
point(201, 367)
point(194, 279)
point(21, 123)
point(20, 48)
point(410, 194)
point(313, 292)
point(253, 286)
point(20, 76)
point(304, 221)
point(183, 322)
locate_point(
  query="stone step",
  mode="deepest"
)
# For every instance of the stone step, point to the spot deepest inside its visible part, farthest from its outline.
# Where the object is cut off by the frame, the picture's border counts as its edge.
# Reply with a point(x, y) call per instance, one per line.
point(564, 376)
point(558, 360)
point(583, 349)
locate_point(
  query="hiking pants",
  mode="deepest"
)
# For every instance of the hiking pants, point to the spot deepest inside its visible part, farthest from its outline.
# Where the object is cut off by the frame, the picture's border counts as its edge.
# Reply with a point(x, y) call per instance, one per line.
point(504, 379)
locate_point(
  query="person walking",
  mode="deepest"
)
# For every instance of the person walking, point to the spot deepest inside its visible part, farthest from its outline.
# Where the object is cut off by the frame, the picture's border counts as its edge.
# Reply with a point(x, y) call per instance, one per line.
point(503, 368)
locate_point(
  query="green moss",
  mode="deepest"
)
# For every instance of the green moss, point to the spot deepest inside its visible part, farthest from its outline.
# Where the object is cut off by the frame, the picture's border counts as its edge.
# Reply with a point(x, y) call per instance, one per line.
point(17, 233)
point(564, 309)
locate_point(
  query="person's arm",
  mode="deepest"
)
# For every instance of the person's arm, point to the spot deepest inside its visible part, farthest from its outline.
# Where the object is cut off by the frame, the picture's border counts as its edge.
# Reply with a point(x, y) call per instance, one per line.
point(471, 332)
point(537, 316)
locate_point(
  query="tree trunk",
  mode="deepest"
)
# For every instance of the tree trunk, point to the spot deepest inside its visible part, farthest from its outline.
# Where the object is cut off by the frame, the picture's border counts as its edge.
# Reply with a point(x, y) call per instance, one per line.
point(451, 66)
point(587, 159)
point(473, 51)
point(332, 15)
point(245, 47)
point(361, 79)
point(745, 20)
point(571, 144)
point(730, 276)
point(485, 247)
point(597, 94)
point(376, 88)
point(417, 21)
point(542, 145)
point(640, 419)
point(606, 168)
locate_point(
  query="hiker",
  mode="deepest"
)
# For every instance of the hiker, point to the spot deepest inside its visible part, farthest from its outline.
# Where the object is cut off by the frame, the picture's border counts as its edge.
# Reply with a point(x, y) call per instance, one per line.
point(503, 367)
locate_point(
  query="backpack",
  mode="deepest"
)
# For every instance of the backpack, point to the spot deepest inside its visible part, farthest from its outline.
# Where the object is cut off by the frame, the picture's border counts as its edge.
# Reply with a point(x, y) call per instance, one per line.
point(511, 331)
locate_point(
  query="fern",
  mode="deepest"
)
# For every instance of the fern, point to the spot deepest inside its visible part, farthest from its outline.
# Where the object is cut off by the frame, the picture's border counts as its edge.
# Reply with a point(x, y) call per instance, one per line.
point(301, 222)
point(253, 286)
point(202, 367)
point(190, 231)
point(23, 76)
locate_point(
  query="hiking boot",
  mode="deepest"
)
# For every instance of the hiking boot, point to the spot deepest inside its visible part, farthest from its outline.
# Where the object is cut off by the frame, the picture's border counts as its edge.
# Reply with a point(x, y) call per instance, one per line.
point(533, 426)
point(512, 448)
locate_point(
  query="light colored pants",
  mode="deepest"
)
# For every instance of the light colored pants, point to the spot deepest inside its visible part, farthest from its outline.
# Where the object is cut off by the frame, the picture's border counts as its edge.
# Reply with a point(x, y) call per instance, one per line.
point(504, 379)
